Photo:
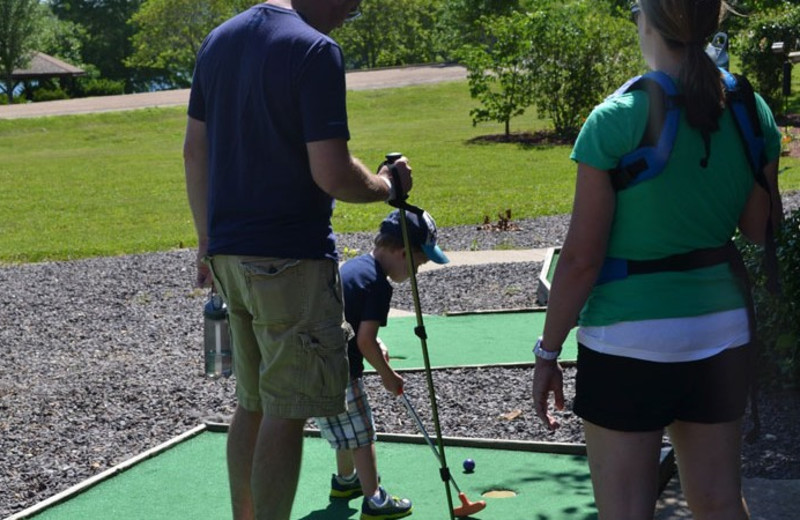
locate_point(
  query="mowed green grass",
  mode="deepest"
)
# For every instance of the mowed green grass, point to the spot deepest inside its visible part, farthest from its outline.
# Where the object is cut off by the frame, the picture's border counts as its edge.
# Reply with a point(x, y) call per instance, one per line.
point(112, 183)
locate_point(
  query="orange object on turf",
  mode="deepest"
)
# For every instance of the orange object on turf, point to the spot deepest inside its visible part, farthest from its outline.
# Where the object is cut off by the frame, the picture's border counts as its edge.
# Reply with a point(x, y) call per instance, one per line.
point(468, 508)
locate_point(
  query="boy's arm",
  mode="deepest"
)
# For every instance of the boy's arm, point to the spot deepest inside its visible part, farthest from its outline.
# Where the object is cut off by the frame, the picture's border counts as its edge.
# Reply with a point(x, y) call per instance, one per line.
point(367, 341)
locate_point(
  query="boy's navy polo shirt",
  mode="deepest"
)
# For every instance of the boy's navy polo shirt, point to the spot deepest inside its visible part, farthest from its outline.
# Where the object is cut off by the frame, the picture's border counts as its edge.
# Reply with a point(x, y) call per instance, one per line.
point(367, 297)
point(266, 83)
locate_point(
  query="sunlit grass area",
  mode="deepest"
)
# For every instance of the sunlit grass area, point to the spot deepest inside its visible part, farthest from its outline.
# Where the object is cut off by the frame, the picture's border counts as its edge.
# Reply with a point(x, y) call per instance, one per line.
point(112, 183)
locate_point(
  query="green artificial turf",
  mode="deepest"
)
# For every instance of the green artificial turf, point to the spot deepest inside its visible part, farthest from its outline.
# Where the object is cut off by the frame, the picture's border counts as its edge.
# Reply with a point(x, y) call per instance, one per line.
point(471, 339)
point(189, 482)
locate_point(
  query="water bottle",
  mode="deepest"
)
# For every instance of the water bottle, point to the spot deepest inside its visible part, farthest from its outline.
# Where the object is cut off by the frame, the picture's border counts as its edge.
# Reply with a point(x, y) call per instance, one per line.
point(717, 50)
point(216, 337)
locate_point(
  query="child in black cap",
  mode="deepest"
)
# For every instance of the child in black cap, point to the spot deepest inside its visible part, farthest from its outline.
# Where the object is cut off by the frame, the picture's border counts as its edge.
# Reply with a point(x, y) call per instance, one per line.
point(367, 298)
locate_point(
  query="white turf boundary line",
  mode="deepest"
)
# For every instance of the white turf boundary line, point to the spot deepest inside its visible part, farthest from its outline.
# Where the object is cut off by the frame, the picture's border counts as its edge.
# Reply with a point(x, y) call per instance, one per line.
point(105, 475)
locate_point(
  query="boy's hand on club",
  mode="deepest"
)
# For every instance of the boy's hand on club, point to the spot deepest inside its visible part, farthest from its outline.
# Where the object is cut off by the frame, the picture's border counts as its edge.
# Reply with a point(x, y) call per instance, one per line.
point(393, 382)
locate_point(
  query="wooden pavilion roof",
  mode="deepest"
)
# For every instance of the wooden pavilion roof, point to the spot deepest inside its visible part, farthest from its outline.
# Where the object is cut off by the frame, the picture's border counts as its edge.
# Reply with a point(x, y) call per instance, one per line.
point(44, 66)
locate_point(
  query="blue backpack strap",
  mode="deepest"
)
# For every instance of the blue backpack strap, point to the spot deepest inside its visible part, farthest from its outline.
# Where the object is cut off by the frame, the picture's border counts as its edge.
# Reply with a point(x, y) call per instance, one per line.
point(652, 154)
point(741, 100)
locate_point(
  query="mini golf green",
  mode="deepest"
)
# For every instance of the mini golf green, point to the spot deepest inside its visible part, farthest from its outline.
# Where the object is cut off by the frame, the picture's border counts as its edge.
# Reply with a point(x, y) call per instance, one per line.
point(189, 481)
point(499, 338)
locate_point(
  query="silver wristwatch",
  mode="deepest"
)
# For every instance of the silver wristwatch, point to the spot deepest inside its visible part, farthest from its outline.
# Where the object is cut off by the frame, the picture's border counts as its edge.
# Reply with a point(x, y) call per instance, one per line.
point(539, 352)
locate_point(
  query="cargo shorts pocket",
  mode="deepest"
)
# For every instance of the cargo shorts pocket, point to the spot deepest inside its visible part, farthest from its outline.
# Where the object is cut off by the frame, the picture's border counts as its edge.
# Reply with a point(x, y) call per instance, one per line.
point(324, 367)
point(276, 290)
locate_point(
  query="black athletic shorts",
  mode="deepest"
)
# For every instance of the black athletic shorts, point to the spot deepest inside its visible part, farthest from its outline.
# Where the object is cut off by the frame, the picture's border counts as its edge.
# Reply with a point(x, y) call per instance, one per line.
point(626, 394)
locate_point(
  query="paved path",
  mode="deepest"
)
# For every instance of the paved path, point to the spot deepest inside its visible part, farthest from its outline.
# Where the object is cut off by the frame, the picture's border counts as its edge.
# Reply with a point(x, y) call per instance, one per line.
point(488, 257)
point(356, 80)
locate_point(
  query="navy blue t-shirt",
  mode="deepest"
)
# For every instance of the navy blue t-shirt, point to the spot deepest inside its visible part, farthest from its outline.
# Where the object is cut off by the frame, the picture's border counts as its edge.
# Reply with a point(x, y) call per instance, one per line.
point(266, 83)
point(367, 297)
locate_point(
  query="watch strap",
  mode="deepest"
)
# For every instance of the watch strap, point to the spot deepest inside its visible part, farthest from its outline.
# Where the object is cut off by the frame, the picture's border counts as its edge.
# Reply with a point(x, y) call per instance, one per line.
point(540, 352)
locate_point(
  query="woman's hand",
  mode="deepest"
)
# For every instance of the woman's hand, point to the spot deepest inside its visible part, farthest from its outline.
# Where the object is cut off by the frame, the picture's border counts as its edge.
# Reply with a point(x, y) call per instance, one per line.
point(547, 377)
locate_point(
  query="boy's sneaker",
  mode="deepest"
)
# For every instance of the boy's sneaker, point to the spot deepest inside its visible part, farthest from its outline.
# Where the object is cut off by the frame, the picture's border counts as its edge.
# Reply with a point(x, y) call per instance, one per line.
point(393, 507)
point(343, 488)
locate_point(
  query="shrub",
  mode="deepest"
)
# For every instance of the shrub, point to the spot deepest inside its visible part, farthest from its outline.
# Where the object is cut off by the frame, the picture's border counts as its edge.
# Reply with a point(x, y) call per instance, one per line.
point(49, 94)
point(575, 65)
point(101, 87)
point(778, 316)
point(763, 67)
point(18, 99)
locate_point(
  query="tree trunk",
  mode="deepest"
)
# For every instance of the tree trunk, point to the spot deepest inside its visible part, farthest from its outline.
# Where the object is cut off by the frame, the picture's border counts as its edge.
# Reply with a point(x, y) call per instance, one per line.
point(9, 89)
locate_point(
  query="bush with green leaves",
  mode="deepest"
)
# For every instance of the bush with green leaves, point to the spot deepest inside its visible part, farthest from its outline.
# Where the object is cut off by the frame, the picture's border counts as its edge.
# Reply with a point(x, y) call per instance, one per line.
point(778, 315)
point(18, 100)
point(554, 57)
point(753, 43)
point(499, 73)
point(580, 54)
point(101, 87)
point(49, 94)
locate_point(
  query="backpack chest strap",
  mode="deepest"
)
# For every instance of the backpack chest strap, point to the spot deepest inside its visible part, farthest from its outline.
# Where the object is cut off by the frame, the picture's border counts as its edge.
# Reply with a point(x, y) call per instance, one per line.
point(619, 268)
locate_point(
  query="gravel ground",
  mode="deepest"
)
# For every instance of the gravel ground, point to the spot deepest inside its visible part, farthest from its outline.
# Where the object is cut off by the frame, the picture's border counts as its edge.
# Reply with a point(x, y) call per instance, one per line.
point(102, 360)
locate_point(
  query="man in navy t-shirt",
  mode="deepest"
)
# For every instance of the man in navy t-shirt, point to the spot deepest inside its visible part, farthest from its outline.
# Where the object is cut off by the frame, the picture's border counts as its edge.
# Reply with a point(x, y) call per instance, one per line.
point(265, 156)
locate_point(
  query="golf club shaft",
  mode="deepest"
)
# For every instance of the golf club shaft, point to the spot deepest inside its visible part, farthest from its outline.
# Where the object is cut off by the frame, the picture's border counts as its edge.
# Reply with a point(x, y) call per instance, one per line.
point(415, 416)
point(420, 331)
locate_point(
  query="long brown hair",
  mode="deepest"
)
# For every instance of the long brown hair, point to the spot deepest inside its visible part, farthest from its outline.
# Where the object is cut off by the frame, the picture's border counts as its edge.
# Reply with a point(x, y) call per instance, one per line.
point(688, 24)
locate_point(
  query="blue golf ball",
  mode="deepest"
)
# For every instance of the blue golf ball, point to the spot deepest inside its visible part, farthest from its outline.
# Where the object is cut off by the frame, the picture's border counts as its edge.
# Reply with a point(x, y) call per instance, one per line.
point(469, 465)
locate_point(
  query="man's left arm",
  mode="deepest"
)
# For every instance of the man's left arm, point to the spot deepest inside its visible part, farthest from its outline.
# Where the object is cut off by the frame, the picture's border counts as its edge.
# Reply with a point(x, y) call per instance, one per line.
point(195, 163)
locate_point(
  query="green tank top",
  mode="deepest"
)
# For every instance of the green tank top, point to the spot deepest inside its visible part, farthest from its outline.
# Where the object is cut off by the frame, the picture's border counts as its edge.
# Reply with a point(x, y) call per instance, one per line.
point(685, 207)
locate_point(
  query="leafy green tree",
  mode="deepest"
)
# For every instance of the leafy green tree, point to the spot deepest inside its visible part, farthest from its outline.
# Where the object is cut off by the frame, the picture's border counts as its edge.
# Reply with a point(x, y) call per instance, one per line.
point(168, 34)
point(460, 21)
point(575, 65)
point(391, 33)
point(105, 37)
point(19, 21)
point(61, 38)
point(498, 73)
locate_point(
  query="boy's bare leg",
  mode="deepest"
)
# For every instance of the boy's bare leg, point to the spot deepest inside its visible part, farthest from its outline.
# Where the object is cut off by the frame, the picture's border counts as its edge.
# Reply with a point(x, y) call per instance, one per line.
point(344, 463)
point(367, 467)
point(242, 436)
point(276, 467)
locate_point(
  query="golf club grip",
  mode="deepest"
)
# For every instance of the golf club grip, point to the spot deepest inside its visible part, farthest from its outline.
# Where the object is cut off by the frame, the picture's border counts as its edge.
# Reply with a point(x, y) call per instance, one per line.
point(399, 195)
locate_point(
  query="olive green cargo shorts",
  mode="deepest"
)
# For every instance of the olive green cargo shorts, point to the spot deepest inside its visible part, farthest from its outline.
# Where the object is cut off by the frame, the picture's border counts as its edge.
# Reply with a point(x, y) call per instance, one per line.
point(289, 336)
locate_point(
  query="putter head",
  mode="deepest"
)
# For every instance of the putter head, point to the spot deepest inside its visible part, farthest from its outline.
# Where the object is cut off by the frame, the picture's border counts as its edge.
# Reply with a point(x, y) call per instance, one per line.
point(468, 508)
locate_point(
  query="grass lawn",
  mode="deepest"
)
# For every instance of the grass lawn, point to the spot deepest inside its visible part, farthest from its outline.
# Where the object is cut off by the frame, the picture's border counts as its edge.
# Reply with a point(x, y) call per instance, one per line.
point(112, 183)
